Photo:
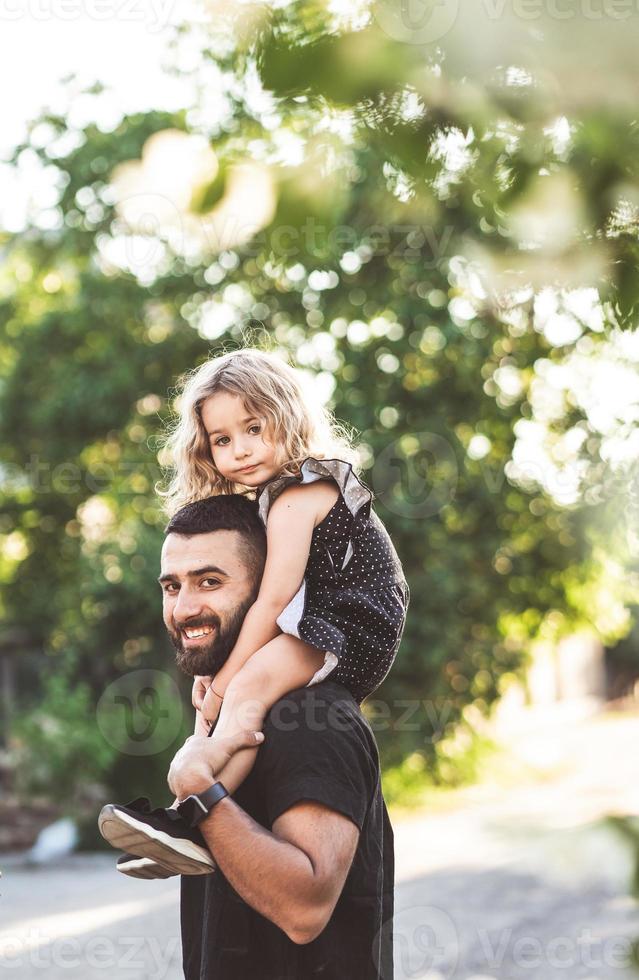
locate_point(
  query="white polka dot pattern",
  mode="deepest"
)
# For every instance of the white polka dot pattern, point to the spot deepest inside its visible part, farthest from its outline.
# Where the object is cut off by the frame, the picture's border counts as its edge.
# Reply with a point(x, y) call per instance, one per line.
point(353, 600)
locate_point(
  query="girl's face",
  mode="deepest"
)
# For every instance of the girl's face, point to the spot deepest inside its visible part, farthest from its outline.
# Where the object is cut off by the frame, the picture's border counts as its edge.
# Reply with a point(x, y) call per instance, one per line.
point(238, 440)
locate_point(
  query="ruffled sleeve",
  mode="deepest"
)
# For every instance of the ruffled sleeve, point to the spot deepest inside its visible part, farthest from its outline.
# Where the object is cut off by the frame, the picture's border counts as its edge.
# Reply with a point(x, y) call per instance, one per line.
point(357, 496)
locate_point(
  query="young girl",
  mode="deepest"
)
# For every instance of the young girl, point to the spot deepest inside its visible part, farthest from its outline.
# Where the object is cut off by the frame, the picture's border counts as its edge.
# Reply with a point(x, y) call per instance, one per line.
point(333, 597)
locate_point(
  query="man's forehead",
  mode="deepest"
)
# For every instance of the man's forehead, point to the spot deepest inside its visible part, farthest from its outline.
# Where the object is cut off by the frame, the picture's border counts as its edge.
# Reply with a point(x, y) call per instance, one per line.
point(181, 555)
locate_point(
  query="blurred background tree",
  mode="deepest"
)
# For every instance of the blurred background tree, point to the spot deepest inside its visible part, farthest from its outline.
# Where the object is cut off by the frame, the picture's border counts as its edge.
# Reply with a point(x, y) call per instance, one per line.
point(444, 241)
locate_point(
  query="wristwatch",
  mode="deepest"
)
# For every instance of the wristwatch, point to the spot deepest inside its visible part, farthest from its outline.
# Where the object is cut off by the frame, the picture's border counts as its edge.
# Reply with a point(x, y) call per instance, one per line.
point(197, 806)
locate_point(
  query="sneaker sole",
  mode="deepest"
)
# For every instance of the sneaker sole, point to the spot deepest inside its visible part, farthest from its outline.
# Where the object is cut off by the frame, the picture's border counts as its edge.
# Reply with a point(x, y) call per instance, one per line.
point(126, 833)
point(144, 868)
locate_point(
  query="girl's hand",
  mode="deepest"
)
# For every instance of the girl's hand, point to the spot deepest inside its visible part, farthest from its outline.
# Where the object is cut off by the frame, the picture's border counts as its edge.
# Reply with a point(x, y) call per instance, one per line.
point(211, 705)
point(198, 762)
point(201, 685)
point(201, 724)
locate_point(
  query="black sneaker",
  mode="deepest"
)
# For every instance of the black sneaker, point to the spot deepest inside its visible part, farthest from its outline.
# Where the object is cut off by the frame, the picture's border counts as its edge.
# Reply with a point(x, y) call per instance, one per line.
point(141, 867)
point(160, 834)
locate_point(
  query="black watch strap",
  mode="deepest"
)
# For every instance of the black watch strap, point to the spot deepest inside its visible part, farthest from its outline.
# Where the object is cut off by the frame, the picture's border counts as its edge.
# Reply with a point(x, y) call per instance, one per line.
point(198, 806)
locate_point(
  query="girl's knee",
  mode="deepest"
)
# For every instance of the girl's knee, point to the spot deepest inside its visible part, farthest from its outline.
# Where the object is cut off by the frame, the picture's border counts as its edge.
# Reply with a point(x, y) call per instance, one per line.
point(284, 664)
point(245, 698)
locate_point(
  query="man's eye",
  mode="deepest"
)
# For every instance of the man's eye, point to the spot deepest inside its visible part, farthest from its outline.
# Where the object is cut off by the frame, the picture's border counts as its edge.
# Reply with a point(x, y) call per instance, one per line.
point(170, 588)
point(209, 581)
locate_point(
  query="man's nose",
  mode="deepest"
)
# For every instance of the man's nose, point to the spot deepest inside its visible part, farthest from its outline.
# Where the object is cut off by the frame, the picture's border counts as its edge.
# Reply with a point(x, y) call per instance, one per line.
point(187, 605)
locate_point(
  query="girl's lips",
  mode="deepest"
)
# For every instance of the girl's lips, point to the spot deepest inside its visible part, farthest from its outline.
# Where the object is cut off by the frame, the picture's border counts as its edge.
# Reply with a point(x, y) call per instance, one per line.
point(249, 469)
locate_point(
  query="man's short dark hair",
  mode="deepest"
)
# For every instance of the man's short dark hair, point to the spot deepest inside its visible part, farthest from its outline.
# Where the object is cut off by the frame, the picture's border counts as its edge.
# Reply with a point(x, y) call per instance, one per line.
point(225, 512)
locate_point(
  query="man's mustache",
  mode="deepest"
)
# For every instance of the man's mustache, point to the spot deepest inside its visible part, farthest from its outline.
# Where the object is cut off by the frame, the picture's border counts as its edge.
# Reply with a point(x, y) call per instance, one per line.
point(192, 624)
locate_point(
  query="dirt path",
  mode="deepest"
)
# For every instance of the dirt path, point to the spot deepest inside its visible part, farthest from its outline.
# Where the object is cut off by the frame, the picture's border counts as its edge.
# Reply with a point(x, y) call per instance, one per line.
point(516, 879)
point(521, 877)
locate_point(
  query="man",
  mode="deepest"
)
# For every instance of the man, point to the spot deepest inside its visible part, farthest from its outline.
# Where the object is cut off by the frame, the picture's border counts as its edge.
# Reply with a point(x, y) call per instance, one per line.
point(303, 885)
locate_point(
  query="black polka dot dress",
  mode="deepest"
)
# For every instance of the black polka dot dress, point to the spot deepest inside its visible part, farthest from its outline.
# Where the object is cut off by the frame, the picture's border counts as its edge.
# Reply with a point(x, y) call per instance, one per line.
point(353, 599)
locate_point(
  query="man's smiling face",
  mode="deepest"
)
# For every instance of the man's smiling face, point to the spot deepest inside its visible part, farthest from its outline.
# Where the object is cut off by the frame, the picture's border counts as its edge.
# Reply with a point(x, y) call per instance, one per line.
point(207, 589)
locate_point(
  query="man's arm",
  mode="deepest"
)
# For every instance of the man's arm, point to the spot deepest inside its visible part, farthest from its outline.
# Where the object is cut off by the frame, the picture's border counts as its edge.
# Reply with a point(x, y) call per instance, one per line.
point(292, 876)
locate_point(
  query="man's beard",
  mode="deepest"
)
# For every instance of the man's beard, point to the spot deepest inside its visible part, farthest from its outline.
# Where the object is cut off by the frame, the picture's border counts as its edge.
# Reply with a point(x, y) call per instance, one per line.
point(213, 652)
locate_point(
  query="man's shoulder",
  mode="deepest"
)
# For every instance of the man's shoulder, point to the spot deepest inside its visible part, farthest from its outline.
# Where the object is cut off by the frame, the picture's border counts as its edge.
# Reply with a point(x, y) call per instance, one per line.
point(323, 718)
point(328, 706)
point(318, 746)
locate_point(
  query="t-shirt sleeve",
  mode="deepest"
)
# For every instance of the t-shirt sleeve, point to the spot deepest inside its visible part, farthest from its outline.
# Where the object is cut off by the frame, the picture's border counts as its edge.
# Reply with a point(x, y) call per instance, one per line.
point(316, 749)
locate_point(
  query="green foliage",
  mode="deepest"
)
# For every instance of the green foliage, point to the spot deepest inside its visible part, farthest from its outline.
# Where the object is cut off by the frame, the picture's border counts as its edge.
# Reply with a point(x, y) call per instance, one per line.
point(58, 750)
point(628, 829)
point(419, 778)
point(413, 176)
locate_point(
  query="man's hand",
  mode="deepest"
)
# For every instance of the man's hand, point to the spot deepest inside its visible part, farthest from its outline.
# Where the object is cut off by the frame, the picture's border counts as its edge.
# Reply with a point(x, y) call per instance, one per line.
point(201, 685)
point(195, 765)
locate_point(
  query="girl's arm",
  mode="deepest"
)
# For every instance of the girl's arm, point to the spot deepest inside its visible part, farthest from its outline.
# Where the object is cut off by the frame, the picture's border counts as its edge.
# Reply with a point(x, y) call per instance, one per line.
point(289, 530)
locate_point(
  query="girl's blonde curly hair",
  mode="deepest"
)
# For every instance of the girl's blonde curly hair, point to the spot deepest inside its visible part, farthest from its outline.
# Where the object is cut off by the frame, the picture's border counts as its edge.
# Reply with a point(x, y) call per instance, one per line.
point(269, 387)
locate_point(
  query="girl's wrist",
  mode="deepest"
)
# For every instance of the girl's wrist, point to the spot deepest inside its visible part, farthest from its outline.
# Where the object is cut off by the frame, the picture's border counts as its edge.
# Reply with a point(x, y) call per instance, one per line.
point(219, 685)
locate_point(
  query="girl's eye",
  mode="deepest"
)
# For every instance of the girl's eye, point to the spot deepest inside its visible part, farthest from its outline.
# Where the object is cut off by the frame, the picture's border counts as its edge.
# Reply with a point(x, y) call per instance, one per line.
point(251, 427)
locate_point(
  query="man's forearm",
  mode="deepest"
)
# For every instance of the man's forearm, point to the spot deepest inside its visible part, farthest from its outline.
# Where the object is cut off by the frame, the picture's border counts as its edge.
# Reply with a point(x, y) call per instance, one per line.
point(274, 877)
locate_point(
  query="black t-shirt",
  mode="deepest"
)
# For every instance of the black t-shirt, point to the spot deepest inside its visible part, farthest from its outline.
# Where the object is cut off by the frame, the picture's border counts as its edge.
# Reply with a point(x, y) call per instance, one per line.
point(318, 746)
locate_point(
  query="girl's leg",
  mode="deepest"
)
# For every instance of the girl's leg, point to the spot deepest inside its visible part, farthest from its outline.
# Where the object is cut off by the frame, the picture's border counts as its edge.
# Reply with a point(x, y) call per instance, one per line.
point(281, 665)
